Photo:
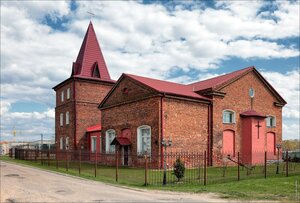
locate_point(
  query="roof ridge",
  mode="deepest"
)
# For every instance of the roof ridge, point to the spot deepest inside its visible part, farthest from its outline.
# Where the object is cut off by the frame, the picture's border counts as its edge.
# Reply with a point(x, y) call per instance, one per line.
point(128, 74)
point(243, 69)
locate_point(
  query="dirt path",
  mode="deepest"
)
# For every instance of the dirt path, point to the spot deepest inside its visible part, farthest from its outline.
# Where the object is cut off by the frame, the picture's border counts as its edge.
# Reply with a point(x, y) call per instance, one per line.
point(26, 184)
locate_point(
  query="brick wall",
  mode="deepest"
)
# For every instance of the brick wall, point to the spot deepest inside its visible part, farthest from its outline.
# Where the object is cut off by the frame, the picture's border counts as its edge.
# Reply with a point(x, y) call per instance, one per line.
point(131, 116)
point(85, 99)
point(186, 123)
point(237, 99)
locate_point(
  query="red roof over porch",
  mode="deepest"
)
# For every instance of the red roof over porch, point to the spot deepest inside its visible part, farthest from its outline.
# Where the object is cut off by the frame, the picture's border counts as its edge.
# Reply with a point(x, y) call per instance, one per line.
point(94, 128)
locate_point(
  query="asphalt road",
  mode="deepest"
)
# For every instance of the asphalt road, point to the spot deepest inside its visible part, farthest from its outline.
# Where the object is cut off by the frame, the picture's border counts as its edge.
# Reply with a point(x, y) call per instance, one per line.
point(26, 184)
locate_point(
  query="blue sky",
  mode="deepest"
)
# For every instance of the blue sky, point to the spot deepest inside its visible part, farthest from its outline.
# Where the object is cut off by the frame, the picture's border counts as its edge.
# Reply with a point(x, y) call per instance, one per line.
point(178, 41)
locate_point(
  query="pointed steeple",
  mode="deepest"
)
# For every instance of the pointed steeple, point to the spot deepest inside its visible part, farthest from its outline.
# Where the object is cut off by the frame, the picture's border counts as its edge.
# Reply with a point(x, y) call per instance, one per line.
point(90, 58)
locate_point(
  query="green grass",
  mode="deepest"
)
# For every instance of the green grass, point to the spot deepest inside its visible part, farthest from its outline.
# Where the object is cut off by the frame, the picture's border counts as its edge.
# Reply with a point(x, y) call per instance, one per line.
point(251, 187)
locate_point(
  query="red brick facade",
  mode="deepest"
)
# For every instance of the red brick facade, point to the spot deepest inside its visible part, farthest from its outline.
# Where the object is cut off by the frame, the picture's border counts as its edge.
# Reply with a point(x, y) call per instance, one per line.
point(190, 115)
point(82, 107)
point(237, 99)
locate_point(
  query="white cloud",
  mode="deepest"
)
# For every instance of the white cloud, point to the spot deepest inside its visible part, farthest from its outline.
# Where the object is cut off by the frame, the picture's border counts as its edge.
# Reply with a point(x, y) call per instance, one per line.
point(287, 86)
point(149, 41)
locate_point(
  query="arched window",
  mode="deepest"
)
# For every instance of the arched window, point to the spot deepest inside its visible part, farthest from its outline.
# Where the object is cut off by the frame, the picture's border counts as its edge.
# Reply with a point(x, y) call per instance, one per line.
point(61, 119)
point(67, 118)
point(271, 121)
point(110, 136)
point(144, 139)
point(68, 93)
point(228, 116)
point(67, 143)
point(61, 143)
point(62, 96)
point(93, 144)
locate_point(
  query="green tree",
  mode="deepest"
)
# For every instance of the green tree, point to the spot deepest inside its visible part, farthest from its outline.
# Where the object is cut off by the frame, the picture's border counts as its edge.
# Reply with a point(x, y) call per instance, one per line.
point(179, 169)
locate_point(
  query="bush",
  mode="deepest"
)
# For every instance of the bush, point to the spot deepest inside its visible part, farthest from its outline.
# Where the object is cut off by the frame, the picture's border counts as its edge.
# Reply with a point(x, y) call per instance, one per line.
point(179, 169)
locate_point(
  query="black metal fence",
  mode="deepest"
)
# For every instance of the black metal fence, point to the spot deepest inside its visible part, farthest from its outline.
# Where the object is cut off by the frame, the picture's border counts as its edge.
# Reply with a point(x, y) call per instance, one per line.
point(168, 168)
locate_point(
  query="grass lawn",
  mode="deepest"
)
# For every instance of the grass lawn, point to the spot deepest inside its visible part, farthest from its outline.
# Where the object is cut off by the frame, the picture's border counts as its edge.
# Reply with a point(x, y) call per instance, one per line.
point(254, 187)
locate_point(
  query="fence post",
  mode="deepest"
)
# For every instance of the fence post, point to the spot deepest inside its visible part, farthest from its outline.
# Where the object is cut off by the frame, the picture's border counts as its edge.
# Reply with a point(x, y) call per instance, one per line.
point(287, 163)
point(265, 164)
point(42, 156)
point(56, 158)
point(116, 163)
point(48, 155)
point(79, 169)
point(204, 168)
point(67, 167)
point(35, 155)
point(146, 168)
point(96, 163)
point(238, 157)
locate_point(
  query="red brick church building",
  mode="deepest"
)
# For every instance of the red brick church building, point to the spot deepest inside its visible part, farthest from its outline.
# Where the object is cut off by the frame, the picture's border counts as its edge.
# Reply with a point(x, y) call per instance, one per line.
point(236, 112)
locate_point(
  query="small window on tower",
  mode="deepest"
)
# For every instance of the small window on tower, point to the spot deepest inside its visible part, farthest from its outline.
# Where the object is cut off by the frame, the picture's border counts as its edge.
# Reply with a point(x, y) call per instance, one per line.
point(96, 73)
point(61, 143)
point(61, 119)
point(67, 118)
point(68, 93)
point(62, 96)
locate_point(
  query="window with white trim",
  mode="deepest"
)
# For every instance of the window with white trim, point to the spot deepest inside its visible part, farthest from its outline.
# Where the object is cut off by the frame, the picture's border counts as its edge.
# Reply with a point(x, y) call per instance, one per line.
point(68, 93)
point(110, 136)
point(93, 144)
point(62, 96)
point(228, 116)
point(67, 118)
point(144, 139)
point(271, 121)
point(61, 119)
point(67, 142)
point(61, 143)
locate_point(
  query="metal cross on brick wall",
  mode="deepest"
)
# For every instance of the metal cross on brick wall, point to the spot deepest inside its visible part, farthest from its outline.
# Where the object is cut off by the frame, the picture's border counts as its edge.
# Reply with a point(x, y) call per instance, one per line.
point(258, 126)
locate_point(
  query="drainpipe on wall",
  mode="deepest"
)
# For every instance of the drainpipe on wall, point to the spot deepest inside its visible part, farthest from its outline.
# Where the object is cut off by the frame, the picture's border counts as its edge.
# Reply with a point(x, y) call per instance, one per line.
point(162, 130)
point(209, 135)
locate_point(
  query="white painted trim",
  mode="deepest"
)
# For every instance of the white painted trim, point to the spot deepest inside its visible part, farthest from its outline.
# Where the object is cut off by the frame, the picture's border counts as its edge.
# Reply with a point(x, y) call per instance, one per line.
point(139, 144)
point(107, 143)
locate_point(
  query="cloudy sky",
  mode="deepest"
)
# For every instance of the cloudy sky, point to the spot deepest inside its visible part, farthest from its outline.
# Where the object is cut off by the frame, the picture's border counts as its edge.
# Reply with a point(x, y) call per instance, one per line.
point(183, 42)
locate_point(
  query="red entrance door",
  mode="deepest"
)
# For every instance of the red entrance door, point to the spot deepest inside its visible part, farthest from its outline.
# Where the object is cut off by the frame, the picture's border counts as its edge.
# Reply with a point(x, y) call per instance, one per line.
point(271, 145)
point(228, 143)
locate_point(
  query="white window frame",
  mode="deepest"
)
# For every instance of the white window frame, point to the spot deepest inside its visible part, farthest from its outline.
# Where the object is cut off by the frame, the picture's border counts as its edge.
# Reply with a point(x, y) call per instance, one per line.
point(93, 147)
point(68, 93)
point(109, 148)
point(268, 121)
point(61, 119)
point(67, 118)
point(231, 112)
point(62, 96)
point(139, 139)
point(61, 143)
point(67, 142)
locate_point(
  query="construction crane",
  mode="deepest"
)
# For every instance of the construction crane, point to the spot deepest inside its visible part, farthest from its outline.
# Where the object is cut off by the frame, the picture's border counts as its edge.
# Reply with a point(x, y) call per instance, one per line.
point(14, 133)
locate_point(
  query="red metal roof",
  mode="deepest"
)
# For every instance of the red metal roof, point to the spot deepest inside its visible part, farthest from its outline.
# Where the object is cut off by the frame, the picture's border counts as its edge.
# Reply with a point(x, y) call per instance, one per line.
point(217, 81)
point(90, 56)
point(251, 113)
point(167, 87)
point(124, 141)
point(94, 128)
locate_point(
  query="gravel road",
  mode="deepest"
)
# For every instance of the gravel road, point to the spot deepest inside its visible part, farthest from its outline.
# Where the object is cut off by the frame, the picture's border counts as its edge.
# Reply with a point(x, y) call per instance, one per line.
point(26, 184)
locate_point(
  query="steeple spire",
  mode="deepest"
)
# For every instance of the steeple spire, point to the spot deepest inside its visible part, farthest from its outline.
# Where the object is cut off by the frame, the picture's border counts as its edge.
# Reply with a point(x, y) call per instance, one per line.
point(90, 59)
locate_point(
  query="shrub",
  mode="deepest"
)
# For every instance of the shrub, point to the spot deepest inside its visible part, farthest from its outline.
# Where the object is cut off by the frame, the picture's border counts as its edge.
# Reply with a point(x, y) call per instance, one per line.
point(179, 169)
